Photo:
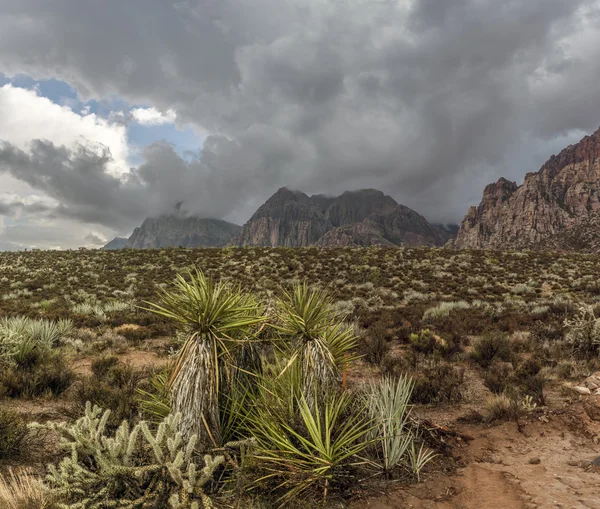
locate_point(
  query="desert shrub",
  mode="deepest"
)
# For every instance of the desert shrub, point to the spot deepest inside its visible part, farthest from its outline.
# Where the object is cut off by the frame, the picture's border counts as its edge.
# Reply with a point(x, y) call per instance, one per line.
point(425, 341)
point(501, 406)
point(133, 333)
point(13, 434)
point(396, 366)
point(373, 344)
point(524, 381)
point(134, 467)
point(86, 335)
point(113, 385)
point(492, 346)
point(45, 376)
point(571, 369)
point(530, 380)
point(444, 309)
point(442, 382)
point(20, 490)
point(429, 343)
point(498, 377)
point(542, 331)
point(110, 340)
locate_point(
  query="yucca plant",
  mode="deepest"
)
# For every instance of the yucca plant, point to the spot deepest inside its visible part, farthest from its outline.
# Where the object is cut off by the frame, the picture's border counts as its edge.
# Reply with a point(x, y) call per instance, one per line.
point(320, 340)
point(217, 319)
point(156, 403)
point(24, 340)
point(387, 404)
point(304, 451)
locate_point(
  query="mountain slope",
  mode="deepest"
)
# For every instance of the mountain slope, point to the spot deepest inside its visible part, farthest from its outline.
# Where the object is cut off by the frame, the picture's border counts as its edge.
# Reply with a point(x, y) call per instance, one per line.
point(288, 218)
point(355, 206)
point(116, 243)
point(402, 226)
point(175, 231)
point(562, 195)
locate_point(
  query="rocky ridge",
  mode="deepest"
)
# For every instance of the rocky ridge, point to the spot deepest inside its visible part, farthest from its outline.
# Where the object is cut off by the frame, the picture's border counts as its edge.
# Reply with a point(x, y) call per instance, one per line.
point(176, 231)
point(355, 218)
point(564, 195)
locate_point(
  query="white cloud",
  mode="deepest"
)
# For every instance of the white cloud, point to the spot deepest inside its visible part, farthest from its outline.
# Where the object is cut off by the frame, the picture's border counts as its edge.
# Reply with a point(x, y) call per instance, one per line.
point(153, 117)
point(25, 116)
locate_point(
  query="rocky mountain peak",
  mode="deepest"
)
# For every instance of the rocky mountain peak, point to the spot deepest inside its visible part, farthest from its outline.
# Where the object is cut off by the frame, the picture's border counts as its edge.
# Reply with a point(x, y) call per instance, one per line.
point(363, 217)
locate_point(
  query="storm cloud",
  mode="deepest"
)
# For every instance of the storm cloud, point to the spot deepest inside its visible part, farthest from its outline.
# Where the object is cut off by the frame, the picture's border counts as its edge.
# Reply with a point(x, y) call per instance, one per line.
point(427, 100)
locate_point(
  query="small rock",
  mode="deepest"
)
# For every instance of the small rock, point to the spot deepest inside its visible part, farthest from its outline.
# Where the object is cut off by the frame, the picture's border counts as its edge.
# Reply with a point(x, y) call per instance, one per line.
point(581, 390)
point(592, 382)
point(535, 461)
point(596, 461)
point(591, 406)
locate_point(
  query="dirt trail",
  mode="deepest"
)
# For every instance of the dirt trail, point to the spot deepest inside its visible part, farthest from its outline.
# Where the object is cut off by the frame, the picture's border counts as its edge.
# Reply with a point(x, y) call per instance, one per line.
point(483, 488)
point(547, 465)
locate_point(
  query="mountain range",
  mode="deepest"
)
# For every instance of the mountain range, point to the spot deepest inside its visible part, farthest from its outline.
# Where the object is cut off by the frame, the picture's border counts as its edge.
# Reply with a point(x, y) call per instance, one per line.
point(293, 219)
point(556, 208)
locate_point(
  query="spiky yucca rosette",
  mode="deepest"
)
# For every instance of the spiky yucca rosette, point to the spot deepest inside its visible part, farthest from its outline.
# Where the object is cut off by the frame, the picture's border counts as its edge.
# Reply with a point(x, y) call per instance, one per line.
point(319, 339)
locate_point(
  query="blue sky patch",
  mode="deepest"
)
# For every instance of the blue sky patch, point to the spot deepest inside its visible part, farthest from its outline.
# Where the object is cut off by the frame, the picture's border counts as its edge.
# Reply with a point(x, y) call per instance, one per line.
point(60, 92)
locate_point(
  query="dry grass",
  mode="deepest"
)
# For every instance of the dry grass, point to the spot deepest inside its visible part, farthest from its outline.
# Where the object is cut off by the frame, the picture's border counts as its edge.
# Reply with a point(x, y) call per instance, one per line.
point(20, 490)
point(498, 406)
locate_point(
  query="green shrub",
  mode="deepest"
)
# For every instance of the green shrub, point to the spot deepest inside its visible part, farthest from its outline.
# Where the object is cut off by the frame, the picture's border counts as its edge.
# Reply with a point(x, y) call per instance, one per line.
point(391, 437)
point(310, 449)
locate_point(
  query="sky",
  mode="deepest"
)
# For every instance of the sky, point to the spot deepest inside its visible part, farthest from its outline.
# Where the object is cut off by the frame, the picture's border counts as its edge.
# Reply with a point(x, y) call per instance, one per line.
point(114, 111)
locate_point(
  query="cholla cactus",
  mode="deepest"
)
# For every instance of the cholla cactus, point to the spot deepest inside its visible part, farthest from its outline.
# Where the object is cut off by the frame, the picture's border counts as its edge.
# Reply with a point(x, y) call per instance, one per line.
point(133, 469)
point(583, 331)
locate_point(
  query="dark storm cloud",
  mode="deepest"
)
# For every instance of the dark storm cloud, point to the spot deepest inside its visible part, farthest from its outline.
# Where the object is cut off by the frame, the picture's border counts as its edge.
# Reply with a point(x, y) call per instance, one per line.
point(80, 182)
point(14, 207)
point(427, 100)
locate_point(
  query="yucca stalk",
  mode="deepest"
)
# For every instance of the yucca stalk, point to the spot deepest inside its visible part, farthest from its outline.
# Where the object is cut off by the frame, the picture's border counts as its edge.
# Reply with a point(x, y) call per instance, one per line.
point(216, 319)
point(320, 339)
